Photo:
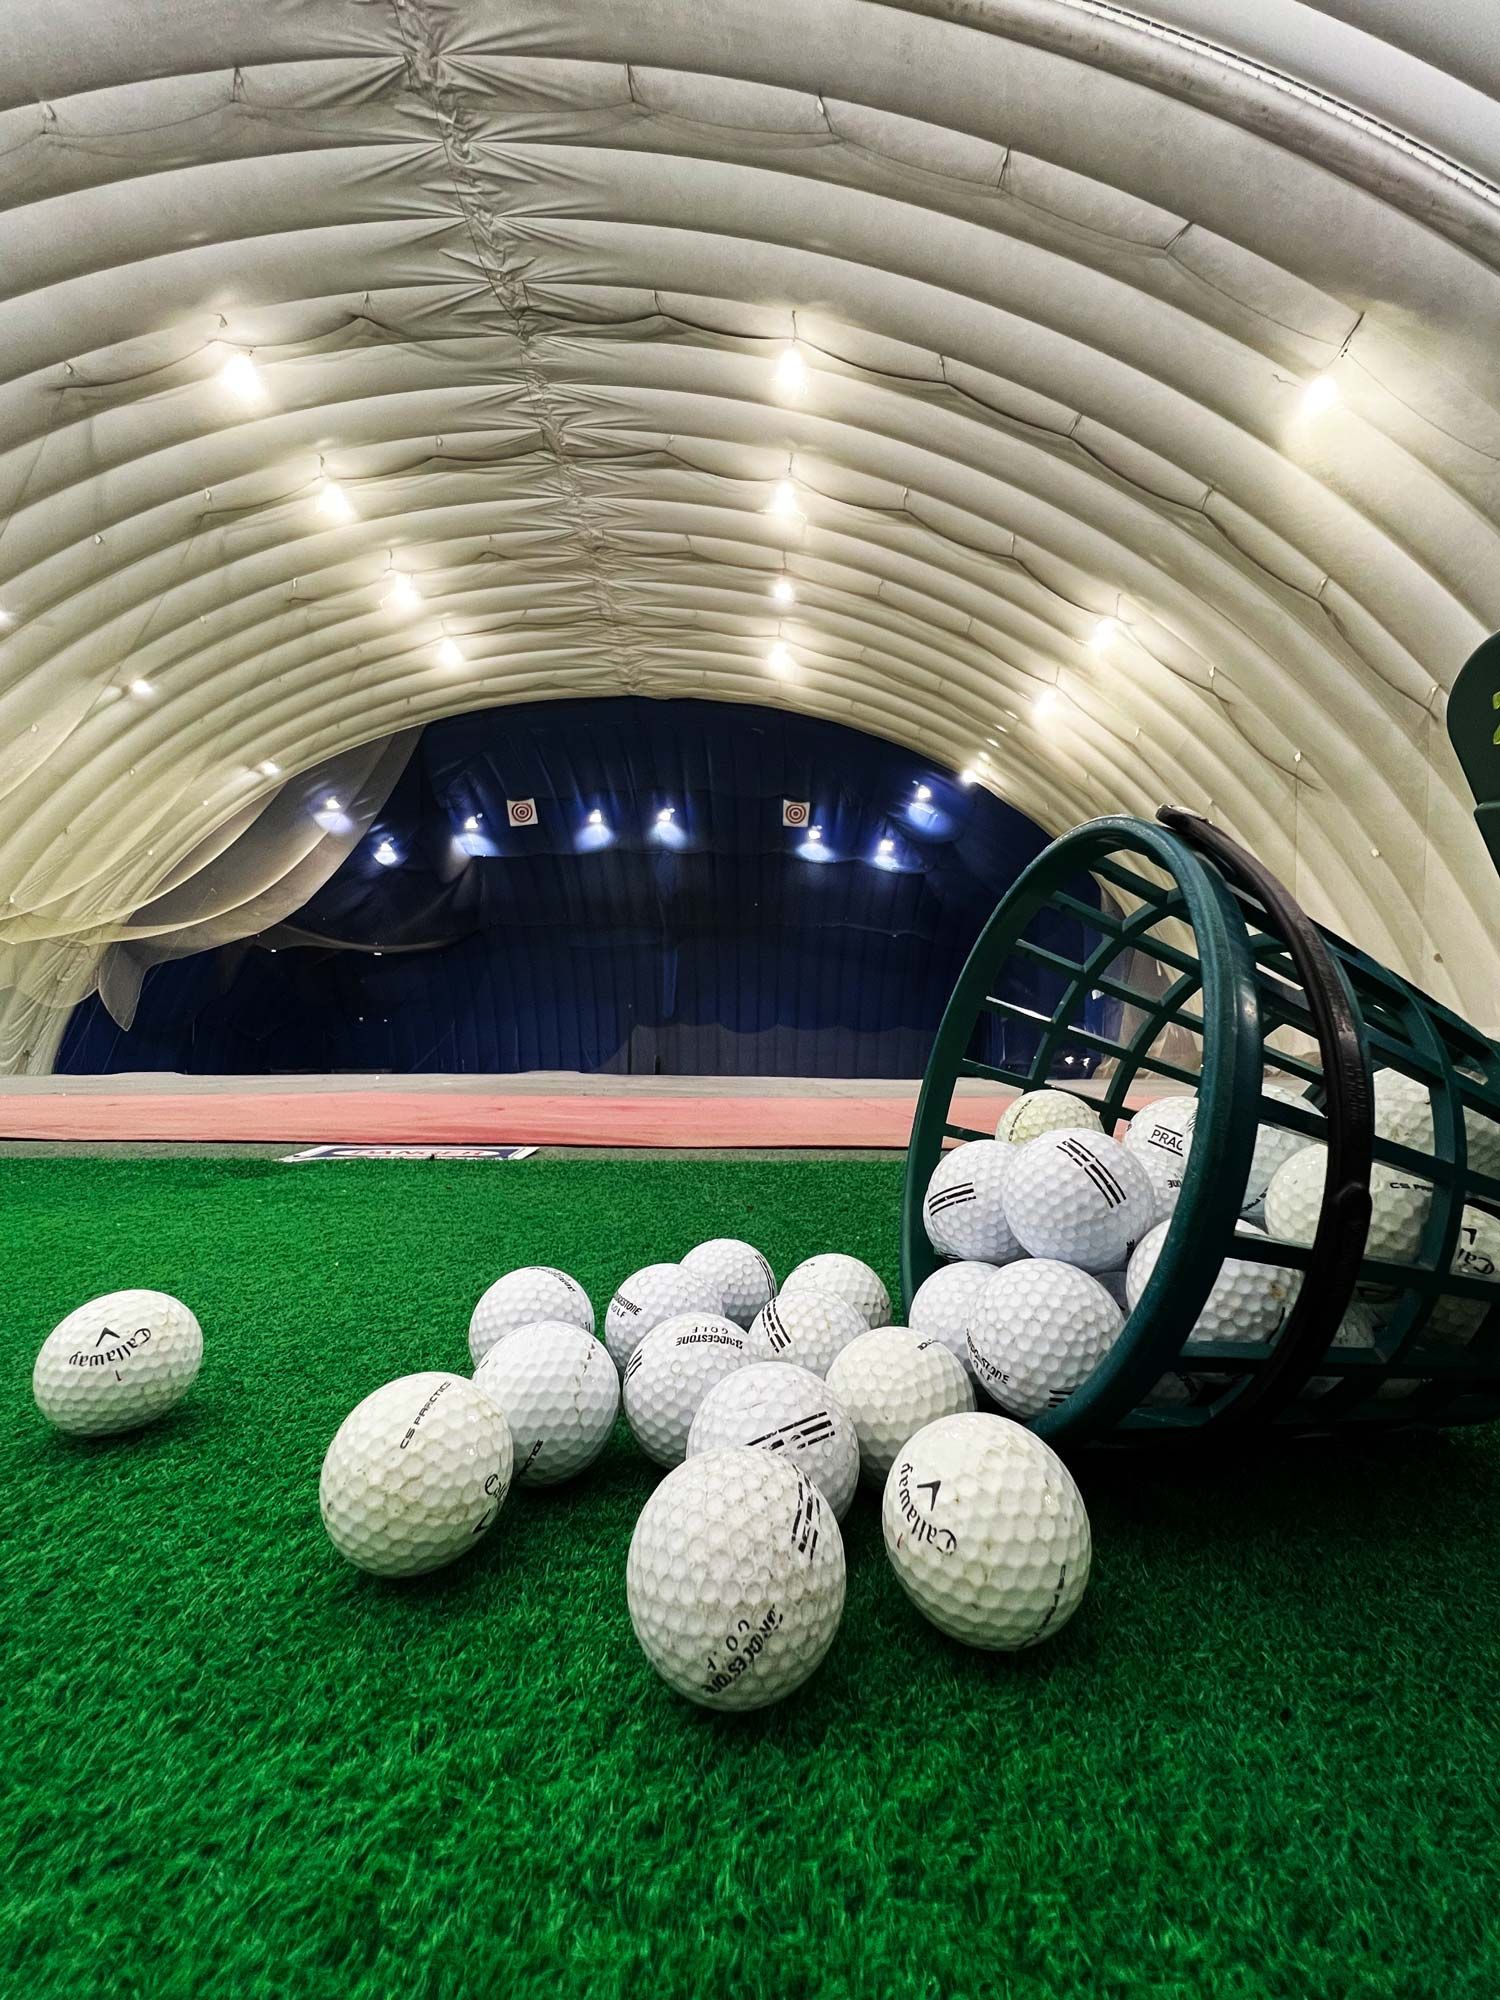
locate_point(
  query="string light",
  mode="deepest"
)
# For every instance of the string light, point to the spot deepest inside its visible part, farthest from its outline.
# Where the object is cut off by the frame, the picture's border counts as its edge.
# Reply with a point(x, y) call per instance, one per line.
point(403, 597)
point(450, 653)
point(790, 379)
point(782, 590)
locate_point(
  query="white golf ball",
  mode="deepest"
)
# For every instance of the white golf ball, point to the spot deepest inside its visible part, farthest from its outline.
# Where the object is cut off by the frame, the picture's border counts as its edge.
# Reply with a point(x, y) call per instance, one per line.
point(670, 1373)
point(1036, 1331)
point(1039, 1111)
point(1274, 1145)
point(1399, 1205)
point(941, 1305)
point(560, 1394)
point(415, 1475)
point(746, 1282)
point(524, 1298)
point(650, 1296)
point(892, 1382)
point(1403, 1114)
point(1356, 1329)
point(1163, 1131)
point(963, 1211)
point(847, 1278)
point(987, 1532)
point(771, 1406)
point(1249, 1301)
point(806, 1328)
point(1166, 1177)
point(1080, 1198)
point(1476, 1254)
point(735, 1579)
point(116, 1363)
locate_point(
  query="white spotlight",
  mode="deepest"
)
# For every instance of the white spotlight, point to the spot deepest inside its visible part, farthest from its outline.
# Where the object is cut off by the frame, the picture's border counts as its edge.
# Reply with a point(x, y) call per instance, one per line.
point(664, 817)
point(332, 806)
point(1046, 703)
point(815, 833)
point(779, 660)
point(403, 597)
point(968, 777)
point(270, 769)
point(596, 818)
point(333, 503)
point(1320, 395)
point(783, 591)
point(887, 847)
point(386, 855)
point(1104, 634)
point(471, 824)
point(450, 653)
point(924, 793)
point(790, 379)
point(783, 501)
point(242, 379)
point(142, 690)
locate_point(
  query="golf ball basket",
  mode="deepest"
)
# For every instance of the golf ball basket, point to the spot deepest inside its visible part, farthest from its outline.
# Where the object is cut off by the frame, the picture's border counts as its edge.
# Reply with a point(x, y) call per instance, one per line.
point(1164, 956)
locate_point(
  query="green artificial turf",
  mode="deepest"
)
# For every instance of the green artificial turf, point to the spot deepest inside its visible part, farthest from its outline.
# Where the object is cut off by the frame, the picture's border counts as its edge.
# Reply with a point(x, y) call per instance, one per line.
point(1260, 1762)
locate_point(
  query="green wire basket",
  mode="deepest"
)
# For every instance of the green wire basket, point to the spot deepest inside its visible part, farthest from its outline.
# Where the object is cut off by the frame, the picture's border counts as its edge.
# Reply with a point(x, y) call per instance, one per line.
point(1163, 954)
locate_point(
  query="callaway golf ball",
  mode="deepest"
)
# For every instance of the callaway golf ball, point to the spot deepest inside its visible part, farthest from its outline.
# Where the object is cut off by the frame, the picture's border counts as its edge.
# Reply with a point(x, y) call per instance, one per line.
point(670, 1373)
point(1039, 1111)
point(1036, 1331)
point(806, 1328)
point(847, 1278)
point(1249, 1300)
point(892, 1382)
point(941, 1305)
point(962, 1210)
point(658, 1292)
point(415, 1475)
point(746, 1282)
point(560, 1394)
point(987, 1532)
point(1476, 1254)
point(116, 1363)
point(735, 1579)
point(772, 1406)
point(1080, 1198)
point(523, 1298)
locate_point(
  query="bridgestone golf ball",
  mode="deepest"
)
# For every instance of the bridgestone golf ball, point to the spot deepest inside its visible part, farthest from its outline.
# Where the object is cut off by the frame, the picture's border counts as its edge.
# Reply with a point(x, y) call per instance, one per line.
point(805, 1328)
point(415, 1475)
point(941, 1305)
point(1403, 1114)
point(987, 1532)
point(745, 1281)
point(892, 1382)
point(560, 1393)
point(1036, 1331)
point(963, 1212)
point(1040, 1111)
point(670, 1373)
point(1399, 1205)
point(1080, 1198)
point(524, 1298)
point(771, 1406)
point(735, 1579)
point(650, 1296)
point(117, 1363)
point(1249, 1301)
point(847, 1278)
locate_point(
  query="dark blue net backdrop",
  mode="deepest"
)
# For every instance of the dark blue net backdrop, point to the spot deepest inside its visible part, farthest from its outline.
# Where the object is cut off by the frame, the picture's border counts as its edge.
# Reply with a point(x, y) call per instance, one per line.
point(603, 936)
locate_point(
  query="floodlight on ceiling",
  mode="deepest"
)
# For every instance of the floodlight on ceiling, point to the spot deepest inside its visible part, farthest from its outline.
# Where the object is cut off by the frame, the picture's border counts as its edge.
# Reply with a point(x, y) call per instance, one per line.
point(333, 503)
point(386, 854)
point(1104, 634)
point(783, 590)
point(790, 378)
point(450, 653)
point(1321, 395)
point(403, 597)
point(780, 660)
point(783, 501)
point(968, 777)
point(243, 380)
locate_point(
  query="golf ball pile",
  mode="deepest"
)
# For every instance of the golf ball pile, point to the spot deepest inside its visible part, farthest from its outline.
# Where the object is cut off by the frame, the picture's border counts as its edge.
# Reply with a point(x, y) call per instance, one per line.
point(744, 1280)
point(1079, 1197)
point(1038, 1111)
point(964, 1210)
point(117, 1363)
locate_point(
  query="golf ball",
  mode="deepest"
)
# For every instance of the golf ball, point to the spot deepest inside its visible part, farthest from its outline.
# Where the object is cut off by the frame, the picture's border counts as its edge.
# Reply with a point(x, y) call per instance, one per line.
point(1274, 1145)
point(1036, 1331)
point(415, 1475)
point(523, 1298)
point(1249, 1300)
point(1080, 1198)
point(1399, 1205)
point(560, 1394)
point(1476, 1254)
point(1403, 1114)
point(847, 1278)
point(806, 1328)
point(941, 1305)
point(1039, 1111)
point(658, 1292)
point(1356, 1329)
point(735, 1579)
point(670, 1373)
point(772, 1406)
point(962, 1211)
point(116, 1363)
point(892, 1382)
point(746, 1282)
point(987, 1532)
point(1162, 1131)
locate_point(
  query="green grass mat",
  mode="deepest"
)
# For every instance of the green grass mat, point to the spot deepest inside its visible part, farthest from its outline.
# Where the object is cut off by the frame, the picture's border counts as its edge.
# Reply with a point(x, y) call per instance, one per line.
point(1260, 1762)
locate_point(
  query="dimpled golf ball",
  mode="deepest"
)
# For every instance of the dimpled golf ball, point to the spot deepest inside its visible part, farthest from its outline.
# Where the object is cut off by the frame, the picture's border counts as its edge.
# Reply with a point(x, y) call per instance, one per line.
point(415, 1475)
point(560, 1393)
point(1356, 1329)
point(805, 1328)
point(892, 1382)
point(116, 1363)
point(1476, 1254)
point(670, 1373)
point(771, 1406)
point(941, 1305)
point(987, 1532)
point(1249, 1301)
point(746, 1282)
point(1403, 1114)
point(1398, 1205)
point(1036, 1331)
point(847, 1278)
point(1080, 1198)
point(1166, 1177)
point(524, 1298)
point(735, 1579)
point(962, 1211)
point(1274, 1145)
point(658, 1292)
point(1163, 1132)
point(1039, 1111)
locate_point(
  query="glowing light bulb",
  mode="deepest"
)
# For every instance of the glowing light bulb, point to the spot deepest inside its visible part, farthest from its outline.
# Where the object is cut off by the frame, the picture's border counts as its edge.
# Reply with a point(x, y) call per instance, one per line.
point(783, 590)
point(1320, 395)
point(386, 855)
point(242, 379)
point(1046, 703)
point(924, 793)
point(403, 597)
point(779, 660)
point(968, 777)
point(783, 501)
point(790, 379)
point(815, 833)
point(333, 503)
point(270, 768)
point(1104, 633)
point(664, 817)
point(142, 690)
point(332, 806)
point(596, 818)
point(450, 653)
point(471, 824)
point(887, 847)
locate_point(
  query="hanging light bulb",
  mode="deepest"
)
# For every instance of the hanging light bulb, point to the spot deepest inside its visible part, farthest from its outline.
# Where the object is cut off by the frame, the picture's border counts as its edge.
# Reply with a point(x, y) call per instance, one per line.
point(242, 379)
point(450, 653)
point(783, 591)
point(333, 503)
point(887, 847)
point(924, 793)
point(403, 597)
point(1104, 634)
point(332, 806)
point(1320, 395)
point(270, 768)
point(386, 855)
point(779, 660)
point(471, 824)
point(968, 777)
point(1046, 703)
point(790, 379)
point(142, 690)
point(783, 501)
point(815, 833)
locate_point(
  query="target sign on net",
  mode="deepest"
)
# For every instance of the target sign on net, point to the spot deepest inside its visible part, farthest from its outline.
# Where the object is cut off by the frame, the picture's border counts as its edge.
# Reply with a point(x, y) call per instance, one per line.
point(795, 812)
point(521, 812)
